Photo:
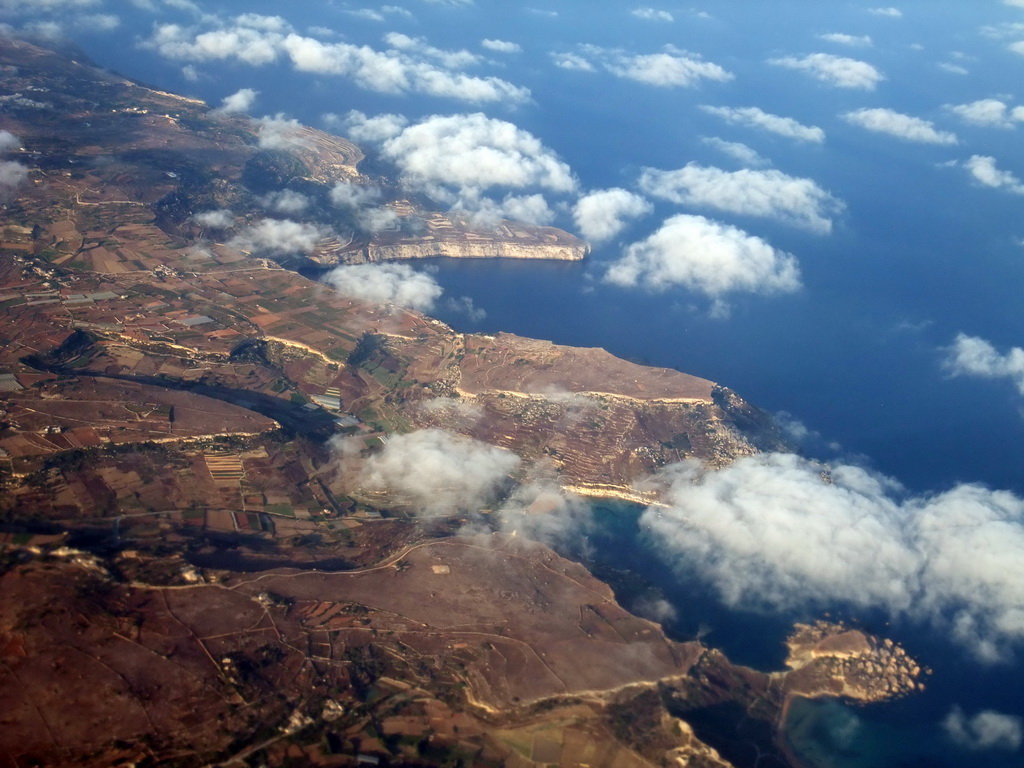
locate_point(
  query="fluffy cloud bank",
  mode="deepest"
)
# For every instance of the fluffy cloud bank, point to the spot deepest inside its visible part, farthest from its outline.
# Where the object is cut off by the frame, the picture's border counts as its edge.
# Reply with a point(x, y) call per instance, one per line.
point(359, 127)
point(984, 171)
point(838, 71)
point(988, 112)
point(362, 201)
point(274, 237)
point(603, 214)
point(240, 101)
point(705, 256)
point(853, 41)
point(974, 356)
point(652, 14)
point(746, 156)
point(386, 284)
point(278, 132)
point(406, 65)
point(458, 157)
point(671, 68)
point(12, 174)
point(286, 201)
point(769, 194)
point(222, 218)
point(529, 209)
point(501, 46)
point(9, 142)
point(986, 730)
point(779, 532)
point(440, 472)
point(753, 117)
point(897, 124)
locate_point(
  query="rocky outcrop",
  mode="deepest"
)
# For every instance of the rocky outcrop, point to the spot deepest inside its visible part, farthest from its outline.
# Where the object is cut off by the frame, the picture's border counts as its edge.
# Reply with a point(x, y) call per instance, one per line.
point(828, 659)
point(427, 249)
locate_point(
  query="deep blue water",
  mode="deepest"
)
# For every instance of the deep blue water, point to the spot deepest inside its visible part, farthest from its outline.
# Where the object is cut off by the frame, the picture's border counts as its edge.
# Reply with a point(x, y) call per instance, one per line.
point(826, 733)
point(919, 255)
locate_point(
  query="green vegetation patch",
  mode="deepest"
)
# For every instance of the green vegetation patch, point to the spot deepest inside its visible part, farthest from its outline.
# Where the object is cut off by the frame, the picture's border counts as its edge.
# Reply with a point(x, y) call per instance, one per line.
point(284, 510)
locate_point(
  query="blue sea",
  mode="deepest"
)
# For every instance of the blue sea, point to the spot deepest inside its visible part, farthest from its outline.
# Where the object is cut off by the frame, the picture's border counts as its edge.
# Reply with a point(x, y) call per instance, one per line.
point(918, 255)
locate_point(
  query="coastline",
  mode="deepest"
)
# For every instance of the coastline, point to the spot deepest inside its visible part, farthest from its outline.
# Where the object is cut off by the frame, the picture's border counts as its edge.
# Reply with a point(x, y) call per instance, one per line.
point(782, 737)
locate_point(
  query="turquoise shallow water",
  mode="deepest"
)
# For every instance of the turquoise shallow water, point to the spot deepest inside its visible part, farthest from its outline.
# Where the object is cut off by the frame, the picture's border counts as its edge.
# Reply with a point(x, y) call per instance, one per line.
point(826, 733)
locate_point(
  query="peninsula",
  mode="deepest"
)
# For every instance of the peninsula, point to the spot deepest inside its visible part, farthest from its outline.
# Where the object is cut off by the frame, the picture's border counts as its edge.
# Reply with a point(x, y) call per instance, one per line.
point(195, 567)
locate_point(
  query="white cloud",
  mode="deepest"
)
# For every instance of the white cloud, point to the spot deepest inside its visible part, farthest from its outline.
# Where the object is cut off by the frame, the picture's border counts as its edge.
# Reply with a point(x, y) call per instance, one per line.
point(983, 169)
point(184, 5)
point(378, 219)
point(9, 142)
point(986, 730)
point(99, 22)
point(988, 112)
point(286, 201)
point(501, 46)
point(974, 356)
point(52, 31)
point(572, 61)
point(670, 69)
point(279, 132)
point(279, 237)
point(652, 14)
point(362, 200)
point(386, 284)
point(239, 101)
point(766, 193)
point(897, 124)
point(753, 117)
point(419, 46)
point(358, 127)
point(542, 511)
point(455, 158)
point(705, 256)
point(402, 69)
point(892, 13)
point(953, 69)
point(408, 65)
point(464, 305)
point(365, 13)
point(1004, 30)
point(746, 156)
point(346, 194)
point(440, 472)
point(838, 71)
point(218, 219)
point(603, 214)
point(486, 213)
point(11, 175)
point(46, 5)
point(249, 40)
point(853, 41)
point(776, 532)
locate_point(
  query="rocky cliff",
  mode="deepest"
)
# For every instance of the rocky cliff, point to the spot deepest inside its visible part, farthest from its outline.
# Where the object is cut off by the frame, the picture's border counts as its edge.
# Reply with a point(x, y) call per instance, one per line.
point(477, 250)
